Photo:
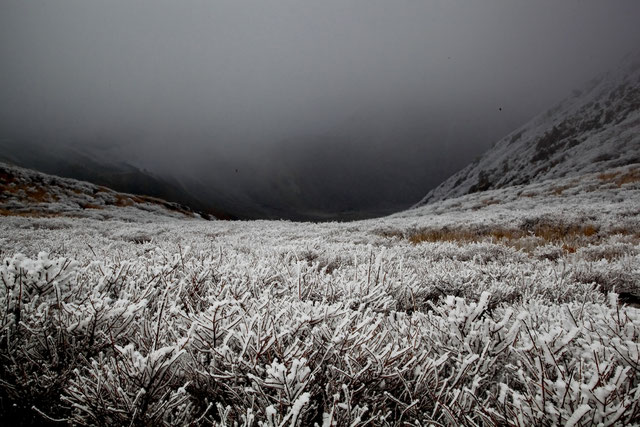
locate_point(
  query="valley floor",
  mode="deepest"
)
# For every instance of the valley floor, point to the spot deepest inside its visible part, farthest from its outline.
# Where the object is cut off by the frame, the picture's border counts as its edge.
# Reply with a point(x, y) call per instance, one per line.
point(515, 306)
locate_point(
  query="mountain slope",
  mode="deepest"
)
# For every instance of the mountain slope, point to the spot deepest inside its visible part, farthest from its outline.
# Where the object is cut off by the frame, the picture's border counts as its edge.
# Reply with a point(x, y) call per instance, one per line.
point(596, 129)
point(25, 192)
point(84, 165)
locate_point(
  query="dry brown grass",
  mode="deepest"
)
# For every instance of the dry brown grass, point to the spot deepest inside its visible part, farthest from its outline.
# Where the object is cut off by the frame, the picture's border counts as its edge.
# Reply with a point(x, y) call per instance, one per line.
point(40, 195)
point(620, 178)
point(570, 237)
point(628, 178)
point(559, 233)
point(122, 200)
point(33, 193)
point(608, 176)
point(444, 235)
point(13, 188)
point(465, 235)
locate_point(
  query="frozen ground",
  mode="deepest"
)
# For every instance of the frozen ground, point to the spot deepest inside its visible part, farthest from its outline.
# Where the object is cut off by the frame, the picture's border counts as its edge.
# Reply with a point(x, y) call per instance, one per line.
point(514, 306)
point(596, 129)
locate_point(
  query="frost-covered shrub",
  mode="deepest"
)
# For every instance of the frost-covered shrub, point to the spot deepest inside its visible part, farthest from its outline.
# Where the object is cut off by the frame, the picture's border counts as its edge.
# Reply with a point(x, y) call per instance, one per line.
point(138, 236)
point(36, 350)
point(576, 365)
point(610, 251)
point(265, 323)
point(549, 252)
point(52, 223)
point(133, 342)
point(130, 387)
point(619, 277)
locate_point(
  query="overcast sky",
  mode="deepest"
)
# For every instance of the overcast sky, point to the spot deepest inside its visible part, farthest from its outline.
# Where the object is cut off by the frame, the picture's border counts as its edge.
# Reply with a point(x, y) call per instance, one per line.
point(283, 88)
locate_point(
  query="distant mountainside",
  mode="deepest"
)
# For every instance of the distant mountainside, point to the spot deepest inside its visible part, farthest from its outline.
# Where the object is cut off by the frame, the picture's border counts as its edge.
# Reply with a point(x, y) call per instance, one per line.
point(24, 192)
point(75, 164)
point(247, 193)
point(596, 129)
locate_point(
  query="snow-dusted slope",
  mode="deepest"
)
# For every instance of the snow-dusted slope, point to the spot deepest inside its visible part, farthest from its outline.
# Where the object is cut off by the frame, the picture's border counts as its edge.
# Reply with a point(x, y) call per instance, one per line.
point(24, 192)
point(594, 130)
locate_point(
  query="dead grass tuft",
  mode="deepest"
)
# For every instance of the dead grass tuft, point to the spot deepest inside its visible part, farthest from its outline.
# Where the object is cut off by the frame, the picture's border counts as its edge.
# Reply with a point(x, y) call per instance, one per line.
point(619, 178)
point(628, 178)
point(527, 237)
point(122, 200)
point(444, 235)
point(608, 176)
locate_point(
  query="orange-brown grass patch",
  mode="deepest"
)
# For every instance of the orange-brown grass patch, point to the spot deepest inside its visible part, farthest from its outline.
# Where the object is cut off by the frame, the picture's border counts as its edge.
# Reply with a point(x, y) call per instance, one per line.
point(608, 176)
point(589, 230)
point(122, 200)
point(628, 178)
point(569, 236)
point(33, 193)
point(465, 235)
point(40, 194)
point(620, 178)
point(444, 235)
point(557, 233)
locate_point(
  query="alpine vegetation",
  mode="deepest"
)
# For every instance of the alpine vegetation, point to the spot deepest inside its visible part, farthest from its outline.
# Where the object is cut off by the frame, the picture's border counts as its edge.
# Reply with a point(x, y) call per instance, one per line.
point(516, 306)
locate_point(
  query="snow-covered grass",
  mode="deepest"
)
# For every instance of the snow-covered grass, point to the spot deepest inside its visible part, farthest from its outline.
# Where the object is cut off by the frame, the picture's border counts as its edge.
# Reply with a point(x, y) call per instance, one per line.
point(518, 311)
